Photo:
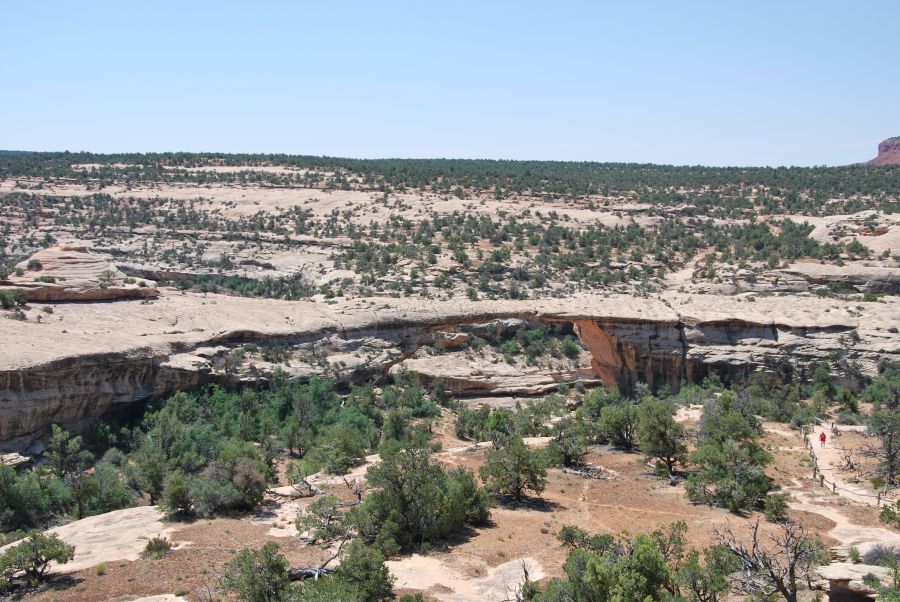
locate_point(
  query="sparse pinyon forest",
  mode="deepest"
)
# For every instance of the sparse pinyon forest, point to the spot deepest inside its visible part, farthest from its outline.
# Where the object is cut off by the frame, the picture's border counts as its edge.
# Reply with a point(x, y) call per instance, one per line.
point(485, 229)
point(274, 377)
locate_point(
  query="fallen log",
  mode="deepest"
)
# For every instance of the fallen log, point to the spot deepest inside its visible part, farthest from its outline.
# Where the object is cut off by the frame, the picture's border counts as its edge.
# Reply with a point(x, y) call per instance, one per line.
point(589, 472)
point(301, 574)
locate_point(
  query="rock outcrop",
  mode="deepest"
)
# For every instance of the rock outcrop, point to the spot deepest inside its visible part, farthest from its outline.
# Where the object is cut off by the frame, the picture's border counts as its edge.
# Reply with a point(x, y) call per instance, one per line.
point(853, 277)
point(75, 274)
point(466, 378)
point(888, 152)
point(86, 359)
point(846, 579)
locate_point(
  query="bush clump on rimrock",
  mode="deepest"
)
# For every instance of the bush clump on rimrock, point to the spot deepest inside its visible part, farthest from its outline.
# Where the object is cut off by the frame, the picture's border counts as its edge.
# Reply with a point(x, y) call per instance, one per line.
point(28, 561)
point(11, 298)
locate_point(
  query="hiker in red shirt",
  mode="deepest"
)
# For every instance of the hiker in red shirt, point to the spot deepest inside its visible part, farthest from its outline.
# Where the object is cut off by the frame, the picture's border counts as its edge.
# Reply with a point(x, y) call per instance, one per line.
point(822, 439)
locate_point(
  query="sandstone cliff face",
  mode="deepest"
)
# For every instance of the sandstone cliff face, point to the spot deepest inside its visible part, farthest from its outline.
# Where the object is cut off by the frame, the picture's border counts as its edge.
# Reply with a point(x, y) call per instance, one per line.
point(888, 152)
point(626, 352)
point(92, 358)
point(77, 391)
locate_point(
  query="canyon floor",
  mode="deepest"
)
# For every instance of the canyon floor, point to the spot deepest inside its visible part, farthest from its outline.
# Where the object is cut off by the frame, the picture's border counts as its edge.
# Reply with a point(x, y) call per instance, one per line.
point(480, 565)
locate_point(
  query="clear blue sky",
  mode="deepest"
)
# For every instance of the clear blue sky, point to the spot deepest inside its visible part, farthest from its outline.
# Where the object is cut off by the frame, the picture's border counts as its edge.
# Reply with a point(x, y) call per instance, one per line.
point(718, 83)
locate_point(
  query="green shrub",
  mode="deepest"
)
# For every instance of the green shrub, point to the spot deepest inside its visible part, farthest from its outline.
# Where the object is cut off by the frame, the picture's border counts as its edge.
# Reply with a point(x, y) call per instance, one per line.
point(882, 555)
point(156, 548)
point(890, 515)
point(775, 507)
point(12, 298)
point(257, 575)
point(31, 557)
point(618, 424)
point(514, 469)
point(730, 458)
point(323, 519)
point(412, 491)
point(176, 496)
point(661, 437)
point(570, 347)
point(364, 570)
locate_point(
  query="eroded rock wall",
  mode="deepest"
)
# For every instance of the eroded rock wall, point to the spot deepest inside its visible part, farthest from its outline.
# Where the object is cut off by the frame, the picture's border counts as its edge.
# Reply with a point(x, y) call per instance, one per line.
point(96, 357)
point(669, 354)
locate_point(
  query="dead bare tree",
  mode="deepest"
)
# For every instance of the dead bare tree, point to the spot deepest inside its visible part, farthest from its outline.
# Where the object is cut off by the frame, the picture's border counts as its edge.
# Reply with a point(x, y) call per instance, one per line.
point(300, 482)
point(310, 572)
point(884, 426)
point(357, 487)
point(847, 461)
point(782, 566)
point(518, 593)
point(207, 593)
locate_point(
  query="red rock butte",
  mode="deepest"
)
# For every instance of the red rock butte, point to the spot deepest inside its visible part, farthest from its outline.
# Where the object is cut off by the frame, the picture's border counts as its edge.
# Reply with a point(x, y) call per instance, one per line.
point(888, 152)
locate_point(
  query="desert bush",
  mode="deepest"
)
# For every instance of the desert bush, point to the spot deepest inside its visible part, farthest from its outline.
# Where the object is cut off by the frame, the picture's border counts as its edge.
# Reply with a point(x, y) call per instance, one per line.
point(257, 575)
point(12, 298)
point(24, 502)
point(882, 555)
point(660, 436)
point(416, 500)
point(618, 423)
point(30, 558)
point(847, 418)
point(176, 494)
point(730, 458)
point(323, 519)
point(646, 567)
point(210, 495)
point(514, 469)
point(569, 444)
point(775, 507)
point(156, 548)
point(890, 515)
point(363, 571)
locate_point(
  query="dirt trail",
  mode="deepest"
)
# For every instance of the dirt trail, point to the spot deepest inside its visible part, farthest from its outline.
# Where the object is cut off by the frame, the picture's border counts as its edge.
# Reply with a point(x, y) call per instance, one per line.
point(846, 530)
point(829, 460)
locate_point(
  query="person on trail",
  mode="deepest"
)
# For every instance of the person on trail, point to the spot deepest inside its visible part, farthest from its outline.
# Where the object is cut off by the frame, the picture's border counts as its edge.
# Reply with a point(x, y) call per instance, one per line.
point(822, 438)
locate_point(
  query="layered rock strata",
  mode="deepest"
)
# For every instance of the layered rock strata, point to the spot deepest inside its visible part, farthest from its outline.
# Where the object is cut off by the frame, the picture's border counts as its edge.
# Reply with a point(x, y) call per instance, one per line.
point(87, 359)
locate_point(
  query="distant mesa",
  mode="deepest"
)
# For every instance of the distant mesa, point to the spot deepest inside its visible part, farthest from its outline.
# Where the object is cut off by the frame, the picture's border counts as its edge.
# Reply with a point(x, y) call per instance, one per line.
point(888, 152)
